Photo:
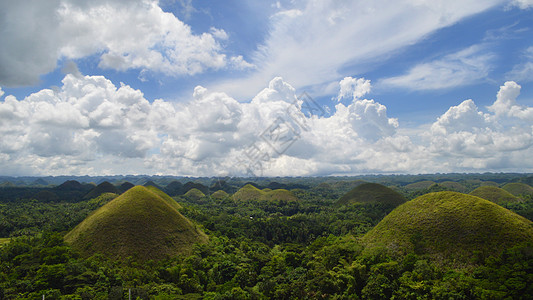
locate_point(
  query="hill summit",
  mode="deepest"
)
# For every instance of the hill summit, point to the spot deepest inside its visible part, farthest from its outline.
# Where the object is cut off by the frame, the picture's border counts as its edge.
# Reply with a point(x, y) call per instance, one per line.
point(370, 193)
point(250, 192)
point(450, 227)
point(139, 223)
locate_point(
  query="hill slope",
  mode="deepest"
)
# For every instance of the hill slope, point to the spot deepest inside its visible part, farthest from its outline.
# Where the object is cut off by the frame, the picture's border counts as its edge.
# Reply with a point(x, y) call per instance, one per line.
point(138, 223)
point(369, 193)
point(494, 194)
point(518, 189)
point(104, 187)
point(250, 192)
point(450, 226)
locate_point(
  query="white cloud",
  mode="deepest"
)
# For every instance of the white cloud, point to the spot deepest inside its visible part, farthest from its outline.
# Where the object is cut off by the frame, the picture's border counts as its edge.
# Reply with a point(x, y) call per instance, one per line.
point(353, 88)
point(91, 126)
point(465, 67)
point(1, 92)
point(126, 35)
point(523, 4)
point(523, 71)
point(310, 43)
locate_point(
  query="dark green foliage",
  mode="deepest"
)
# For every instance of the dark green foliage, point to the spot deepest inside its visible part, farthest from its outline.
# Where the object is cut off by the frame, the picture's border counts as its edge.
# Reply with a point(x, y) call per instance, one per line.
point(307, 249)
point(372, 193)
point(104, 187)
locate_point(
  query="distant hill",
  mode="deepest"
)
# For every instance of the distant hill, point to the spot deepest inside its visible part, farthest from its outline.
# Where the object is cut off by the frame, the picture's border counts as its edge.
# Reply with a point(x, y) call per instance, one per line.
point(193, 185)
point(174, 188)
point(164, 196)
point(151, 183)
point(420, 185)
point(518, 189)
point(494, 194)
point(104, 187)
point(453, 186)
point(219, 195)
point(125, 186)
point(371, 193)
point(194, 194)
point(452, 228)
point(250, 192)
point(138, 223)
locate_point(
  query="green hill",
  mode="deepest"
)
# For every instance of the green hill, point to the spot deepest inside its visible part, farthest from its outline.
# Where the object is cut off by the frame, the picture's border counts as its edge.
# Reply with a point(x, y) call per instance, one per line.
point(453, 186)
point(518, 189)
point(194, 194)
point(452, 228)
point(420, 185)
point(494, 194)
point(370, 193)
point(250, 192)
point(219, 195)
point(104, 187)
point(164, 196)
point(138, 223)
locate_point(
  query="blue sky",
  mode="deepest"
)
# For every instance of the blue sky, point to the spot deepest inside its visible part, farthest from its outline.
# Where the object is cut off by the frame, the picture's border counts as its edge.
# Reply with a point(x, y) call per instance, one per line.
point(117, 87)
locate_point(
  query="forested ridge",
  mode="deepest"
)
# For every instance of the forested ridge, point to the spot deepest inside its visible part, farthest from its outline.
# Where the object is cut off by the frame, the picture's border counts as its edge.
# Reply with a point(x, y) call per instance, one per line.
point(264, 248)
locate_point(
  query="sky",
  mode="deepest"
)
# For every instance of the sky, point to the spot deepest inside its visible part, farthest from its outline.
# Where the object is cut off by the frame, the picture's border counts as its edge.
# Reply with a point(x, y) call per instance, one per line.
point(265, 88)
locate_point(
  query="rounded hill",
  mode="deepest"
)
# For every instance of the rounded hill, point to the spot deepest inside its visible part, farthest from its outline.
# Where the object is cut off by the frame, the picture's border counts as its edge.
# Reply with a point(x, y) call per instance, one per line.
point(518, 189)
point(372, 193)
point(104, 187)
point(450, 227)
point(138, 223)
point(494, 194)
point(250, 192)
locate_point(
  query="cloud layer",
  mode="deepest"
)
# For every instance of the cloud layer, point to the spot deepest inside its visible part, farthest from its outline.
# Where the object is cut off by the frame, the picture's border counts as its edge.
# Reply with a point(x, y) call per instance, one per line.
point(36, 34)
point(91, 126)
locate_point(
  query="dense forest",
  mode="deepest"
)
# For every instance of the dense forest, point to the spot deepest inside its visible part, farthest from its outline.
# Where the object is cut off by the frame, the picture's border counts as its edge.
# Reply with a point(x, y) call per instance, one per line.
point(275, 238)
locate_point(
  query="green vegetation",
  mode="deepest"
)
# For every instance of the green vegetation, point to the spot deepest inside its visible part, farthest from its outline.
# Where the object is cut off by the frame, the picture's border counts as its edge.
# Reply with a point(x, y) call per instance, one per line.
point(194, 194)
point(494, 194)
point(372, 193)
point(140, 224)
point(219, 195)
point(251, 193)
point(439, 246)
point(4, 241)
point(452, 228)
point(518, 189)
point(104, 187)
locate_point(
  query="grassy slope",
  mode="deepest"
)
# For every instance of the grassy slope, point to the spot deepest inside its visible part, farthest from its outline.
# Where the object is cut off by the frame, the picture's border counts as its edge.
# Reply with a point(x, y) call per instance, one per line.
point(372, 193)
point(494, 194)
point(138, 223)
point(250, 192)
point(220, 194)
point(518, 189)
point(194, 193)
point(450, 226)
point(164, 196)
point(420, 185)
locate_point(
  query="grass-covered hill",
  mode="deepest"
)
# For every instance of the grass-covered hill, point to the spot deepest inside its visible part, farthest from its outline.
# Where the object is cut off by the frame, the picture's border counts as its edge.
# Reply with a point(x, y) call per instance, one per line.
point(494, 194)
point(138, 223)
point(250, 192)
point(452, 228)
point(194, 194)
point(164, 196)
point(104, 187)
point(219, 195)
point(372, 193)
point(518, 189)
point(420, 185)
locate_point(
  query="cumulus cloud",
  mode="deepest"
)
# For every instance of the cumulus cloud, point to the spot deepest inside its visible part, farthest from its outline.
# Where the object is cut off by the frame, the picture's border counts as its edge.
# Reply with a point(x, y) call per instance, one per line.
point(465, 67)
point(91, 126)
point(353, 88)
point(470, 139)
point(133, 35)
